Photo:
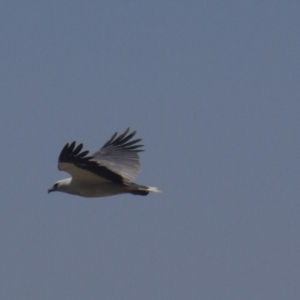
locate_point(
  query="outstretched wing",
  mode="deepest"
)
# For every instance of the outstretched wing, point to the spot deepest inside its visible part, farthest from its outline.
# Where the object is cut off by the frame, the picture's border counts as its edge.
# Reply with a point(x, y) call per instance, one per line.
point(116, 161)
point(120, 155)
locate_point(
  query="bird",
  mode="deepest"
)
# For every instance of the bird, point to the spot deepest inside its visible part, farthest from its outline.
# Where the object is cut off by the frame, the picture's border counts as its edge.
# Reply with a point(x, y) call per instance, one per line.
point(109, 171)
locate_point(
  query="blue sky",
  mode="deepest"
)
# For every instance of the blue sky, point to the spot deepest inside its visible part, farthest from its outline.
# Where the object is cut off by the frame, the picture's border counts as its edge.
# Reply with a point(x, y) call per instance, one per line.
point(213, 90)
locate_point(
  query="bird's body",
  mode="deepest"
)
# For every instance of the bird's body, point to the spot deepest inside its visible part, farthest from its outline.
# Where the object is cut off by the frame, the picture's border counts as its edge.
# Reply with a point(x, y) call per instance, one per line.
point(109, 171)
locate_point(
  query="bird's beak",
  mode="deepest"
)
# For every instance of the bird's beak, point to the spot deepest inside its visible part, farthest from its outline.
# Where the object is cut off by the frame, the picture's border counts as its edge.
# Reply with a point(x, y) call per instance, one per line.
point(51, 190)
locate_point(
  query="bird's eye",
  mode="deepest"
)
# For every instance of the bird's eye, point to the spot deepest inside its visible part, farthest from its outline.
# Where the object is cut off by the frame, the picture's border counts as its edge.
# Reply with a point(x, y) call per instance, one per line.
point(55, 185)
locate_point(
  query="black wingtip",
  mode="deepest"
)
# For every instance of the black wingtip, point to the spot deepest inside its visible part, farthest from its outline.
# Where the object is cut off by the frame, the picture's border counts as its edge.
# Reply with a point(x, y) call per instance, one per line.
point(123, 141)
point(71, 153)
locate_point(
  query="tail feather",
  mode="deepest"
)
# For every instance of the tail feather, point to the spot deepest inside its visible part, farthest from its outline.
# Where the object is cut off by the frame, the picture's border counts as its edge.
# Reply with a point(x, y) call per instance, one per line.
point(141, 190)
point(153, 189)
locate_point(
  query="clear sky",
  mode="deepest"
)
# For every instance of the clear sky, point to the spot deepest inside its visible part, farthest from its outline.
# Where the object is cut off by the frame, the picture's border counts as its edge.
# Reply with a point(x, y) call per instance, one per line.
point(213, 89)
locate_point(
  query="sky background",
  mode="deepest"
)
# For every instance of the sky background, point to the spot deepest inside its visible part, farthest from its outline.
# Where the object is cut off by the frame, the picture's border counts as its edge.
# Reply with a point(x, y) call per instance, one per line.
point(213, 89)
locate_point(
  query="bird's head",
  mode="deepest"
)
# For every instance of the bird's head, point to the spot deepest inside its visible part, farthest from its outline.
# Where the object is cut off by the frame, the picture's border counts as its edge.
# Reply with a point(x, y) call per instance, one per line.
point(60, 186)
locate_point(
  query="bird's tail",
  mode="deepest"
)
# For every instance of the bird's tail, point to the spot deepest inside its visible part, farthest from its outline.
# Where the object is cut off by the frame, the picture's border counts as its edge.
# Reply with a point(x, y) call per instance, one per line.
point(142, 190)
point(153, 189)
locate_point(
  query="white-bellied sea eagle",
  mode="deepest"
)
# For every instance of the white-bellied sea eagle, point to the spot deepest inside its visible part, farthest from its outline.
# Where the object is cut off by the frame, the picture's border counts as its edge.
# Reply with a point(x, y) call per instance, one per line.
point(109, 171)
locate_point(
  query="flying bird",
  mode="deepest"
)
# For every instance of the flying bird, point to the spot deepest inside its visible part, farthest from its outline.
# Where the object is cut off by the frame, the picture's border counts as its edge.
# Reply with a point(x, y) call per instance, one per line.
point(109, 171)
